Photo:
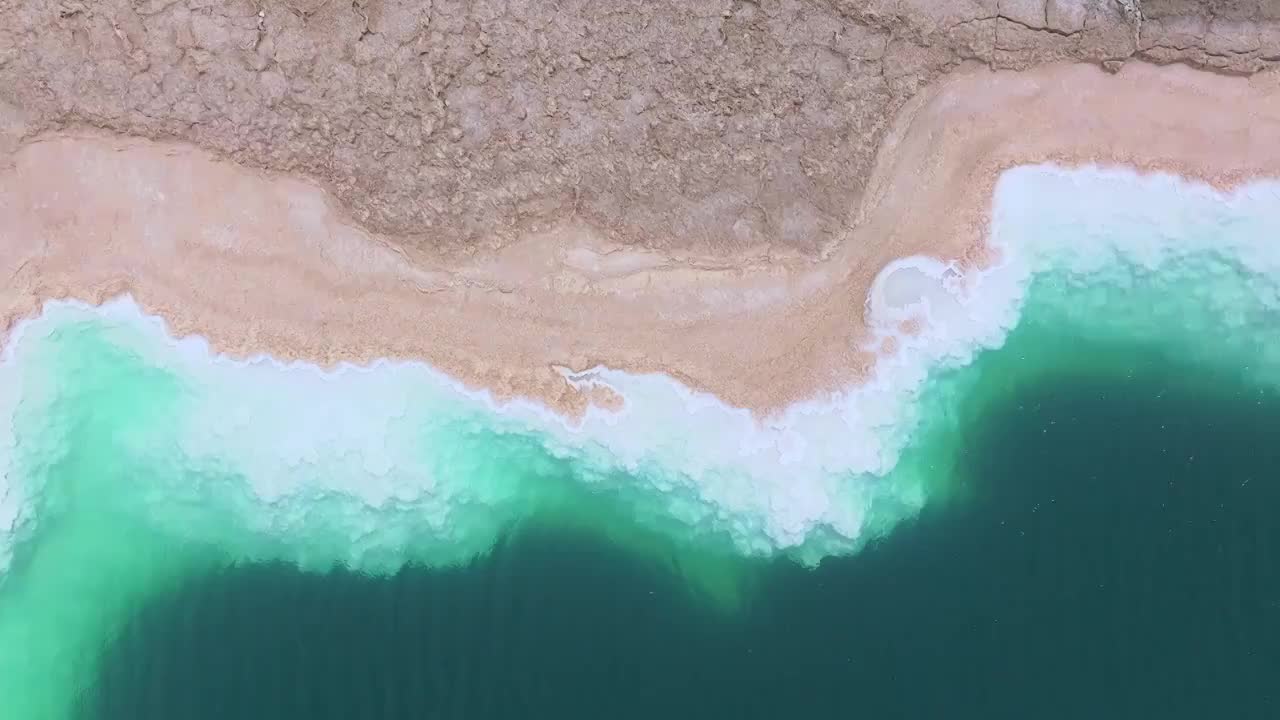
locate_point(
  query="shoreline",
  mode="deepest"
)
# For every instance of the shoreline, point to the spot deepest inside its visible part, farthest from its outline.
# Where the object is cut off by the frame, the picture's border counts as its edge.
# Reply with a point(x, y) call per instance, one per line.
point(206, 245)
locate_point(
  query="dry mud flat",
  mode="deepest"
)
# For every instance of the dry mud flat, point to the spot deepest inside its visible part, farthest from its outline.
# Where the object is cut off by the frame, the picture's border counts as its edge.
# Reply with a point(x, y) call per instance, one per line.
point(710, 126)
point(261, 262)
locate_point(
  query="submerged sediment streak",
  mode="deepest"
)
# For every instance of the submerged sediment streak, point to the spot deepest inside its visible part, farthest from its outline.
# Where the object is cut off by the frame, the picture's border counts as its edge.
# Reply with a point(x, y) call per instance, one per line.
point(132, 459)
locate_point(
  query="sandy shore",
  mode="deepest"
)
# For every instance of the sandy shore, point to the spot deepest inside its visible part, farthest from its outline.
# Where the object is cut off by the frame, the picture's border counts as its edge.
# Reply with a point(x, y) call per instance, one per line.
point(260, 263)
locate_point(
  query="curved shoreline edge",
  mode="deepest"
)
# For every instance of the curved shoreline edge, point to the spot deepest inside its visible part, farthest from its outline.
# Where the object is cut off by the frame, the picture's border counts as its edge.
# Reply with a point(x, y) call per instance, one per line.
point(260, 264)
point(1089, 256)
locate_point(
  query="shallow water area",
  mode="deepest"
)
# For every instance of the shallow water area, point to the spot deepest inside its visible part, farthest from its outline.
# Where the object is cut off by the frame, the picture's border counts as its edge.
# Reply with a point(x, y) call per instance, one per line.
point(1052, 501)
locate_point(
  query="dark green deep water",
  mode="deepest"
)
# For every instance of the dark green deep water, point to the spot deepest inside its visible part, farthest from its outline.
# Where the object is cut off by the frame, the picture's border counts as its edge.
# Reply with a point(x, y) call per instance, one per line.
point(1113, 553)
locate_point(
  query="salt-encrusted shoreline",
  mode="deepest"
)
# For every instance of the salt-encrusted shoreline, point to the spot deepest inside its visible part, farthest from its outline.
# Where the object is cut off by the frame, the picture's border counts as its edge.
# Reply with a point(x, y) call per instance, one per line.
point(268, 264)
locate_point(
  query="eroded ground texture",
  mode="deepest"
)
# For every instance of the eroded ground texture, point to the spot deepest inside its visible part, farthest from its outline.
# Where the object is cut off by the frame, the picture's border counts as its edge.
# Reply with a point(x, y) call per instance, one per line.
point(711, 125)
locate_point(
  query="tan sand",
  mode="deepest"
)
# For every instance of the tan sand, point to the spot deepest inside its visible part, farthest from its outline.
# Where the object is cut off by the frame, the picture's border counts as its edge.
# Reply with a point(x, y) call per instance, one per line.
point(261, 263)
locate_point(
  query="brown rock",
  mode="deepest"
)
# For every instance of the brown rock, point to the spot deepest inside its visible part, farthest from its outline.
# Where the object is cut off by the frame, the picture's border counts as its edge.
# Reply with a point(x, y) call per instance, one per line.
point(1067, 16)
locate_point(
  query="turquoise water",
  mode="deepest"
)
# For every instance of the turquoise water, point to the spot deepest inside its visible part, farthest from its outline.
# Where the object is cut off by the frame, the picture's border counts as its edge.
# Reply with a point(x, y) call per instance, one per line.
point(1116, 559)
point(1059, 507)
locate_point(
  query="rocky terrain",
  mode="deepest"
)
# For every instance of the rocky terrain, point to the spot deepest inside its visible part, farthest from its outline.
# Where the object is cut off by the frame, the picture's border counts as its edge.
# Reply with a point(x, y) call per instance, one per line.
point(713, 125)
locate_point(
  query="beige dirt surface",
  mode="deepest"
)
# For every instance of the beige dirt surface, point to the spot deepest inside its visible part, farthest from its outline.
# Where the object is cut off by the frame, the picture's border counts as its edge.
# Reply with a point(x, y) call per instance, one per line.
point(261, 262)
point(509, 189)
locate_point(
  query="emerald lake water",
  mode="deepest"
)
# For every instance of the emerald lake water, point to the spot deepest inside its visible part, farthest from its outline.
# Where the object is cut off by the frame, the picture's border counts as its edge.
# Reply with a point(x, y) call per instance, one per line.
point(1115, 556)
point(1059, 502)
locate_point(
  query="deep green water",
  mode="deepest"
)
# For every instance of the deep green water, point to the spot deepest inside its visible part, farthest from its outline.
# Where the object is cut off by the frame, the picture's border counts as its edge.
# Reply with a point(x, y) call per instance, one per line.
point(1114, 555)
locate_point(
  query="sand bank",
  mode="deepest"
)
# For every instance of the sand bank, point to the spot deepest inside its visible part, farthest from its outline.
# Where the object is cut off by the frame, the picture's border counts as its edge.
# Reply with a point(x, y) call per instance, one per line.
point(259, 263)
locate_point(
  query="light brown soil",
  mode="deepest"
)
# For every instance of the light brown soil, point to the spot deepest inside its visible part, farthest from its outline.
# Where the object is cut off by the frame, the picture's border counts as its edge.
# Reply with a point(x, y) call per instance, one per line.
point(267, 262)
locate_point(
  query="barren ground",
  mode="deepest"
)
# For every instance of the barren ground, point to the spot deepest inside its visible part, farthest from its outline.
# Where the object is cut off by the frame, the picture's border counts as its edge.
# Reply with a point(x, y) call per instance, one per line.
point(712, 126)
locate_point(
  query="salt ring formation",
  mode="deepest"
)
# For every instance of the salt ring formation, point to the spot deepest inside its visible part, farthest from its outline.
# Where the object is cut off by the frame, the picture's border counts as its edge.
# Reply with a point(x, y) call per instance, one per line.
point(770, 359)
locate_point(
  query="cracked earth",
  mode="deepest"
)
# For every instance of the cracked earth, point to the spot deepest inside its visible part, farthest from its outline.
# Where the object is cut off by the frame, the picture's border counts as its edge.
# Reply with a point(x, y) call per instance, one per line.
point(712, 126)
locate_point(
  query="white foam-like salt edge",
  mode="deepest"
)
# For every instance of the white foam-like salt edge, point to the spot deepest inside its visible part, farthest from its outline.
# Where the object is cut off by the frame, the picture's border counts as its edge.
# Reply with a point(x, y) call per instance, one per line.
point(772, 484)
